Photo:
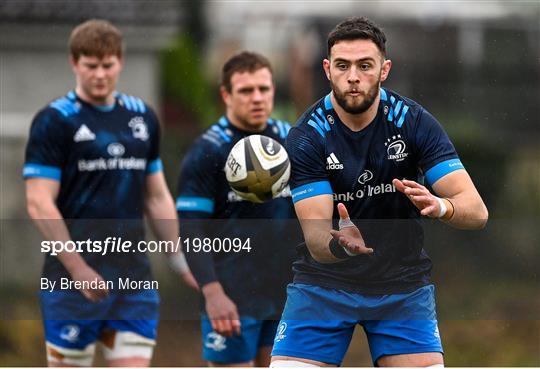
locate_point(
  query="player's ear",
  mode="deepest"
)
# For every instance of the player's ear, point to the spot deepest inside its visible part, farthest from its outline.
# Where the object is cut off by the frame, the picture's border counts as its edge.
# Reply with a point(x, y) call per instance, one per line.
point(326, 67)
point(72, 62)
point(225, 95)
point(121, 61)
point(385, 70)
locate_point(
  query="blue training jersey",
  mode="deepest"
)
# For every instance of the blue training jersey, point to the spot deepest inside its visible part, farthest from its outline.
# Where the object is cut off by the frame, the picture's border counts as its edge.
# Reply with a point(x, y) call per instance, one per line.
point(101, 156)
point(404, 141)
point(208, 207)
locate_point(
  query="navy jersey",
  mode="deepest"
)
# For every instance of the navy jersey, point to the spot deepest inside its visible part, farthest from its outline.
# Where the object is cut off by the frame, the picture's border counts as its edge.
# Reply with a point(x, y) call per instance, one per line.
point(357, 168)
point(255, 280)
point(101, 157)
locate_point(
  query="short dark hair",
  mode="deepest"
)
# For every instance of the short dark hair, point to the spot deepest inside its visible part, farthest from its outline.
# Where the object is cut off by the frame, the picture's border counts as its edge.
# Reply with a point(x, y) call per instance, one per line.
point(245, 61)
point(95, 37)
point(357, 28)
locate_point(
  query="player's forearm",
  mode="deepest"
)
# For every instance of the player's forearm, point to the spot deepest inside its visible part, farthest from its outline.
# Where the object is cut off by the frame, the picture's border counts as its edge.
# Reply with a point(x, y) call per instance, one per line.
point(202, 267)
point(48, 219)
point(51, 224)
point(466, 211)
point(315, 215)
point(201, 264)
point(465, 208)
point(317, 236)
point(162, 216)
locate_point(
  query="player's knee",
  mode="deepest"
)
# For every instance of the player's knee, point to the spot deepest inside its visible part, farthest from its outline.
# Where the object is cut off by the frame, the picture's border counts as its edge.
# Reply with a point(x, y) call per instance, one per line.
point(291, 364)
point(123, 345)
point(61, 356)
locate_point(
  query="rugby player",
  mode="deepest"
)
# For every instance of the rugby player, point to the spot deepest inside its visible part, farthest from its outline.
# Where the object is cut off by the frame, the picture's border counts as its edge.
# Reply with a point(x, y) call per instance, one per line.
point(369, 152)
point(243, 292)
point(92, 170)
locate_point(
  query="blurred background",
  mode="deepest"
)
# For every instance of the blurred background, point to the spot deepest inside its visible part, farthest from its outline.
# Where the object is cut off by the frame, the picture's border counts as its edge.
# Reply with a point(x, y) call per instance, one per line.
point(475, 65)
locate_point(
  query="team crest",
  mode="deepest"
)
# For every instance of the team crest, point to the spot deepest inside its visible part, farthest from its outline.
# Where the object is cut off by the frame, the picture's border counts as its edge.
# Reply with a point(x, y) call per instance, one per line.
point(280, 334)
point(70, 333)
point(215, 341)
point(139, 128)
point(395, 148)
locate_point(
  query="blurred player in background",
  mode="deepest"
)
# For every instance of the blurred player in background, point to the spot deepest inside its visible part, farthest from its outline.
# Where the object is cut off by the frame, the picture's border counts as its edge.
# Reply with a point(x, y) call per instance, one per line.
point(365, 150)
point(93, 155)
point(243, 292)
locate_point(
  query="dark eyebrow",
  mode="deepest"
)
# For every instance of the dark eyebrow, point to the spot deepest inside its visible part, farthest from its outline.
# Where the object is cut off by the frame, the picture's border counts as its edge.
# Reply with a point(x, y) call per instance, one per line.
point(246, 89)
point(337, 60)
point(252, 88)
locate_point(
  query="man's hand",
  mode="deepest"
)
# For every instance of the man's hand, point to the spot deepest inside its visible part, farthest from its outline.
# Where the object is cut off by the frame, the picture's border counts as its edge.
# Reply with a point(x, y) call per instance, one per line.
point(221, 310)
point(349, 235)
point(428, 204)
point(88, 274)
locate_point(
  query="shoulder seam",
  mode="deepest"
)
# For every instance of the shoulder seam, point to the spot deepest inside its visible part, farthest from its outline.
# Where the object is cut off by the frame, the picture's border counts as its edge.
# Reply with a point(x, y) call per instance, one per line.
point(65, 106)
point(398, 110)
point(132, 103)
point(216, 135)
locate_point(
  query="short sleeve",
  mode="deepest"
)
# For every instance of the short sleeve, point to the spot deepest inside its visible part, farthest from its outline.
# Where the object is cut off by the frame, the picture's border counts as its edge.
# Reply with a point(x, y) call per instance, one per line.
point(47, 146)
point(308, 171)
point(197, 184)
point(437, 155)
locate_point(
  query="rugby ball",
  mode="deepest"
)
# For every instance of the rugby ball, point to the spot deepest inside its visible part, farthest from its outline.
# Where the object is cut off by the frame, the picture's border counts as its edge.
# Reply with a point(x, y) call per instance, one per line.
point(258, 168)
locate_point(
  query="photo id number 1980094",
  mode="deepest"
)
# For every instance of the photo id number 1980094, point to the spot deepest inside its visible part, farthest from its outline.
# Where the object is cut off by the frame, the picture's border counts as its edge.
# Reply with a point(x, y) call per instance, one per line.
point(216, 245)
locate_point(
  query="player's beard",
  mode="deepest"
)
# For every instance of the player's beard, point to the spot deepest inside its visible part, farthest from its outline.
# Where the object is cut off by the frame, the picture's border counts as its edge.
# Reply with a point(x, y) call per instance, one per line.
point(363, 105)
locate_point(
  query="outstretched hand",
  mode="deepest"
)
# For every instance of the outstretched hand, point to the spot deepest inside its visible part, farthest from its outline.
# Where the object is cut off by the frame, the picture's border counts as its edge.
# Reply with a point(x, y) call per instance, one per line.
point(349, 235)
point(425, 201)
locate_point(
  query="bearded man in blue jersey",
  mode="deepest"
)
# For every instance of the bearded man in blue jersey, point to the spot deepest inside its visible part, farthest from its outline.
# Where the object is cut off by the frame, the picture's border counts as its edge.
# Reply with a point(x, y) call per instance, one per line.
point(92, 171)
point(367, 151)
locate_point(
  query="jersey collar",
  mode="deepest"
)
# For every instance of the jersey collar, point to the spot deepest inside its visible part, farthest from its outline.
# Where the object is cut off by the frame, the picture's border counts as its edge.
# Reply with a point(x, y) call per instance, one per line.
point(72, 95)
point(225, 123)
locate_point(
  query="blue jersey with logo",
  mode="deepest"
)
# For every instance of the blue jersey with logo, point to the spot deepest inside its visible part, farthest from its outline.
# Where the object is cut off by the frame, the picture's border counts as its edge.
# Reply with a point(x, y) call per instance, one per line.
point(101, 157)
point(404, 141)
point(208, 207)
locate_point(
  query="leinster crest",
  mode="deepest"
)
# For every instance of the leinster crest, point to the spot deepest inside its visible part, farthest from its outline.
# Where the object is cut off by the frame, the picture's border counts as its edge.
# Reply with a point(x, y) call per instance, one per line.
point(139, 128)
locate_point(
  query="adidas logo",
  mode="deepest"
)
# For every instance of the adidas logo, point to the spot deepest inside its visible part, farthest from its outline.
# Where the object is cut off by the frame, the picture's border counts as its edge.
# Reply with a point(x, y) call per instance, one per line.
point(84, 134)
point(332, 162)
